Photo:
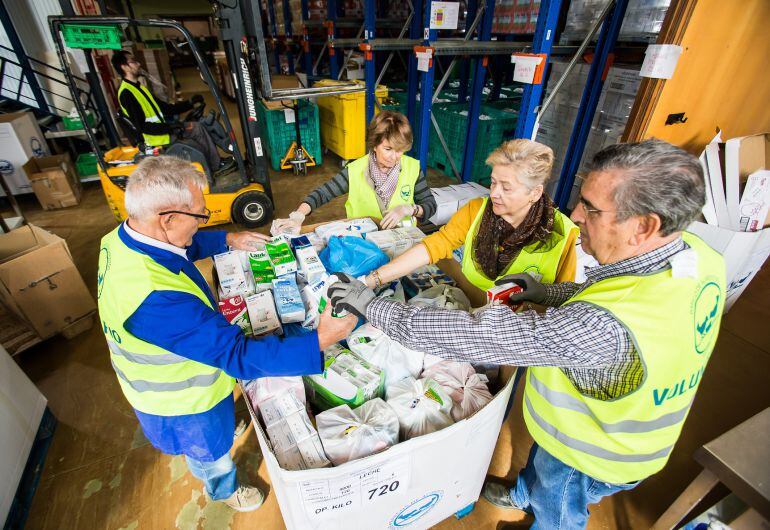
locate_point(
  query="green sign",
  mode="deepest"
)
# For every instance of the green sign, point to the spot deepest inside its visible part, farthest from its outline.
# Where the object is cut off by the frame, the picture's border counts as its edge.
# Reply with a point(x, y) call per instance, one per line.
point(92, 36)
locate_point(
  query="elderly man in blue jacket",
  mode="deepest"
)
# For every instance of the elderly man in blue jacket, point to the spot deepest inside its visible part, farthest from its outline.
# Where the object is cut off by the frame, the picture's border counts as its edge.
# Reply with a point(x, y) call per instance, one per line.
point(175, 356)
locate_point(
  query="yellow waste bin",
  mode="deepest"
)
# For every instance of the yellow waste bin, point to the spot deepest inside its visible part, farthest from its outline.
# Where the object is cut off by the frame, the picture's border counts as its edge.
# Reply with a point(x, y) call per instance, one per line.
point(343, 120)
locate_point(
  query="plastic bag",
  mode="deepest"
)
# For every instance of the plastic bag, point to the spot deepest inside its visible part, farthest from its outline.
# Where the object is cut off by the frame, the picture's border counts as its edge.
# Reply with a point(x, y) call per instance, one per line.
point(264, 388)
point(393, 290)
point(443, 296)
point(467, 389)
point(397, 361)
point(352, 255)
point(348, 434)
point(422, 406)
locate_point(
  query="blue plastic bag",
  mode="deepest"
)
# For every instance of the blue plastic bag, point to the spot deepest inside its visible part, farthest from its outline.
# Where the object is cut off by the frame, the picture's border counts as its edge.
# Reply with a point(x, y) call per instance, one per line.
point(352, 255)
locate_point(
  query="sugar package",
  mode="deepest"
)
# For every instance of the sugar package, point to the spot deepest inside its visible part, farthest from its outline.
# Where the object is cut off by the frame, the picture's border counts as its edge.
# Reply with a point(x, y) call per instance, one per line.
point(232, 279)
point(261, 270)
point(281, 257)
point(396, 241)
point(262, 314)
point(288, 299)
point(235, 311)
point(310, 266)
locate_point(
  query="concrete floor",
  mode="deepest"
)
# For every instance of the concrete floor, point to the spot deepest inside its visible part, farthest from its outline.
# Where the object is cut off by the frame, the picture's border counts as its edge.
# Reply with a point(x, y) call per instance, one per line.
point(101, 473)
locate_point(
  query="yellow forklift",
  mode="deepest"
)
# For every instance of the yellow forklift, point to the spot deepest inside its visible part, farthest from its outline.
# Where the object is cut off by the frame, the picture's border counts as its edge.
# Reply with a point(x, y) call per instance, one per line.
point(242, 196)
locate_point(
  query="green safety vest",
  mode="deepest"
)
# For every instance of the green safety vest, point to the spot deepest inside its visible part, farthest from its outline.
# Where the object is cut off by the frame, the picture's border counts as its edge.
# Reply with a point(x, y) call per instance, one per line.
point(540, 261)
point(154, 380)
point(362, 199)
point(673, 320)
point(152, 113)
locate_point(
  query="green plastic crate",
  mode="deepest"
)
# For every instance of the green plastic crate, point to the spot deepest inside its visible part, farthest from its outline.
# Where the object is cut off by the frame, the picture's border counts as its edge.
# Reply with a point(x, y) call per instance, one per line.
point(92, 36)
point(86, 165)
point(280, 134)
point(74, 123)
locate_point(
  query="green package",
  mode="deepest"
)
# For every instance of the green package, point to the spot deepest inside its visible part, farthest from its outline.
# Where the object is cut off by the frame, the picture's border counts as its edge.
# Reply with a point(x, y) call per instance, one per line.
point(281, 256)
point(261, 268)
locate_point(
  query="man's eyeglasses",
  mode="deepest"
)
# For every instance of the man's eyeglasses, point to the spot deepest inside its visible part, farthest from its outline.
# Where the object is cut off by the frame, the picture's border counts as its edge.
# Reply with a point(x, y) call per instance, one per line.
point(590, 210)
point(205, 216)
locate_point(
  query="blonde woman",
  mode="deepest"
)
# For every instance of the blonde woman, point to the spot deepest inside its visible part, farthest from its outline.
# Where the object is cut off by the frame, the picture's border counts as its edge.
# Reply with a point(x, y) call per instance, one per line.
point(384, 184)
point(516, 229)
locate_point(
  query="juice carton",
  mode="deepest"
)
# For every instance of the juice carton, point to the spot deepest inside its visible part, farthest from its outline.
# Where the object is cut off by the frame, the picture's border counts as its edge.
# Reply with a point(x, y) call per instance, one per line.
point(281, 257)
point(262, 314)
point(235, 311)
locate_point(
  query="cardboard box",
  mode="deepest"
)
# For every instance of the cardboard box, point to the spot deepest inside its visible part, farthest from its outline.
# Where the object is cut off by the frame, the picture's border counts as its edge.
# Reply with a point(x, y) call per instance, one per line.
point(20, 140)
point(262, 313)
point(54, 181)
point(39, 281)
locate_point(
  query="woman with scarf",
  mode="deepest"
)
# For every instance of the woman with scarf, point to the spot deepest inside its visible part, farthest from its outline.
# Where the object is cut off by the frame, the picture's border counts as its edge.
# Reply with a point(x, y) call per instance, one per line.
point(384, 184)
point(516, 229)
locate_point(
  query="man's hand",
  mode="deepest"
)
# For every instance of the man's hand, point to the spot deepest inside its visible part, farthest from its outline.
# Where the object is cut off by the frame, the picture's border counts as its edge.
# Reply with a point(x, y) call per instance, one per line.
point(349, 294)
point(393, 216)
point(333, 329)
point(249, 241)
point(197, 99)
point(534, 291)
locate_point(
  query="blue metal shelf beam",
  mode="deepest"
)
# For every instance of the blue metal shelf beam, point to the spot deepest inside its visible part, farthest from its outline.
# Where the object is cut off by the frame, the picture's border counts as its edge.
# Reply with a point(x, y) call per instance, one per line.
point(370, 75)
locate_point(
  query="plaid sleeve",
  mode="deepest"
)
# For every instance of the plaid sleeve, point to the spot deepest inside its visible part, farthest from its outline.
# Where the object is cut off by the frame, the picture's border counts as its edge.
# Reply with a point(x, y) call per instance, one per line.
point(558, 293)
point(575, 336)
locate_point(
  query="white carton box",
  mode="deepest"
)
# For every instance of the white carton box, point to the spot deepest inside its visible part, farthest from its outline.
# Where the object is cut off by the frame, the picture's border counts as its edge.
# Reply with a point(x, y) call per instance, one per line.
point(309, 264)
point(288, 300)
point(416, 483)
point(20, 140)
point(262, 314)
point(451, 198)
point(232, 279)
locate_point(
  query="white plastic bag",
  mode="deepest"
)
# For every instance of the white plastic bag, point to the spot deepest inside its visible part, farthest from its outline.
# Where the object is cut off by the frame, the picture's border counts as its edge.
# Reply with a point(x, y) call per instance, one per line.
point(443, 296)
point(349, 434)
point(397, 361)
point(467, 389)
point(422, 406)
point(264, 388)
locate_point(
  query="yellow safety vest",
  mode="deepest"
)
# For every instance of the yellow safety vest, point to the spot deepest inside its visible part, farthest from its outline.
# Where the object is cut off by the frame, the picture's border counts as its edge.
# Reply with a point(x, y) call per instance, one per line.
point(362, 199)
point(541, 260)
point(672, 317)
point(154, 380)
point(152, 113)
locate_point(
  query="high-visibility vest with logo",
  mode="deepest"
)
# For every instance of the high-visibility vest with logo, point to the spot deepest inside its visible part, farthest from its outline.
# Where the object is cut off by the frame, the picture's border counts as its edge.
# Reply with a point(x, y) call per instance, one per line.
point(154, 380)
point(672, 317)
point(542, 261)
point(152, 112)
point(362, 199)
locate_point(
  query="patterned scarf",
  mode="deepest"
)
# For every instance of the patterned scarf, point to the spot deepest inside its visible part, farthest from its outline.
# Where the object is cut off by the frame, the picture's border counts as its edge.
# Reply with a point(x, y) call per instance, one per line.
point(497, 243)
point(384, 182)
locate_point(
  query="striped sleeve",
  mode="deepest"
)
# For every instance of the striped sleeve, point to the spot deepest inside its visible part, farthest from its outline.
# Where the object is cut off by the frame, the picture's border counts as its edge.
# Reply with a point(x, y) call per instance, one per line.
point(424, 197)
point(330, 189)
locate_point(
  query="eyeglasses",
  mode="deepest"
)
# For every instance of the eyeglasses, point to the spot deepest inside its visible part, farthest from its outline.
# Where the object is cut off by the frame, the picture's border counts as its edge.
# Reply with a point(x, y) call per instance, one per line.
point(205, 216)
point(590, 210)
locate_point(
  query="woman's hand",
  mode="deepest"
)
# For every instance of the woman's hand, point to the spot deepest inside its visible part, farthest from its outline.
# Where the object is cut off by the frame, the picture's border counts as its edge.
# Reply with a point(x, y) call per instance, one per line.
point(292, 225)
point(394, 215)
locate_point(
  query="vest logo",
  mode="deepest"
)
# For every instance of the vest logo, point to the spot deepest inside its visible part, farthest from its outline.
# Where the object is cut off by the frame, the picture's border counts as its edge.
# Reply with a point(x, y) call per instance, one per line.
point(416, 509)
point(406, 191)
point(36, 146)
point(706, 315)
point(534, 271)
point(104, 266)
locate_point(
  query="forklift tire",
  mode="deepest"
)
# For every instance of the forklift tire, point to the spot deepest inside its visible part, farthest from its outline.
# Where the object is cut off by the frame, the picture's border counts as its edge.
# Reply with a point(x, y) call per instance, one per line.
point(252, 209)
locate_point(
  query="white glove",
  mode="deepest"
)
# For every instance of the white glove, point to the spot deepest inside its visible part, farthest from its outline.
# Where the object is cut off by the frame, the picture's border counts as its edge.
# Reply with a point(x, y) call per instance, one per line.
point(393, 217)
point(292, 225)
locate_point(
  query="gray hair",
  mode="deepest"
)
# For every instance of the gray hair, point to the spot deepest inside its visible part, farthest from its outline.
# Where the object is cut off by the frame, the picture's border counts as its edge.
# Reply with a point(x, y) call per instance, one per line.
point(161, 183)
point(533, 160)
point(658, 178)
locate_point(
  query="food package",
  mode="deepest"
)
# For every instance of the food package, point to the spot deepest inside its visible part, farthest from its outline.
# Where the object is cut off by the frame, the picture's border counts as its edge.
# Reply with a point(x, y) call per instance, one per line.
point(348, 434)
point(351, 227)
point(422, 406)
point(442, 296)
point(262, 314)
point(314, 298)
point(309, 264)
point(281, 257)
point(311, 238)
point(467, 389)
point(264, 388)
point(232, 278)
point(425, 278)
point(347, 379)
point(500, 293)
point(295, 442)
point(397, 361)
point(393, 290)
point(288, 300)
point(235, 311)
point(261, 269)
point(396, 241)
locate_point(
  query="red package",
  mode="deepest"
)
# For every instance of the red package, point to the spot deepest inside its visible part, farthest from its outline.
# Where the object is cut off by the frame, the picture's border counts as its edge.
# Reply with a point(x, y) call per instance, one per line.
point(501, 293)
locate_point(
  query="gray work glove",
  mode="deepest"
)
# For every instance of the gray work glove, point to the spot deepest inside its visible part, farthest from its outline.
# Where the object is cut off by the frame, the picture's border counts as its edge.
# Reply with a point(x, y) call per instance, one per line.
point(534, 291)
point(349, 294)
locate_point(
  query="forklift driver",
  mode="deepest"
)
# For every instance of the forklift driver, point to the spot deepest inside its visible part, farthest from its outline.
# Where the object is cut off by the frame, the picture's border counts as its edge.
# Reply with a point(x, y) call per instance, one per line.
point(150, 116)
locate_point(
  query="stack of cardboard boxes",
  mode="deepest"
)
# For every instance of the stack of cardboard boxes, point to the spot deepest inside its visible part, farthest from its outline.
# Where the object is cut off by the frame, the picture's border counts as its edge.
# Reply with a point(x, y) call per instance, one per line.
point(641, 23)
point(515, 16)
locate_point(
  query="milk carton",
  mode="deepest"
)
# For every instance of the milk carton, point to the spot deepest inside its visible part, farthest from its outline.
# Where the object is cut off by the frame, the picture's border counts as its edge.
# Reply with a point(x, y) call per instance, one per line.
point(262, 314)
point(261, 270)
point(288, 299)
point(235, 311)
point(309, 264)
point(314, 298)
point(232, 279)
point(281, 258)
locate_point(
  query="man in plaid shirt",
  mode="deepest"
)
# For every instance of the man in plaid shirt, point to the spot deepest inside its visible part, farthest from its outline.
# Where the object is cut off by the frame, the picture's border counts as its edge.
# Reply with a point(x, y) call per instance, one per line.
point(615, 361)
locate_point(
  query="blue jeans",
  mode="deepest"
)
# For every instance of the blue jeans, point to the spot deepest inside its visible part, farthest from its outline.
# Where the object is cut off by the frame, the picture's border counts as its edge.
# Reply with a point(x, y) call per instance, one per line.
point(218, 476)
point(557, 494)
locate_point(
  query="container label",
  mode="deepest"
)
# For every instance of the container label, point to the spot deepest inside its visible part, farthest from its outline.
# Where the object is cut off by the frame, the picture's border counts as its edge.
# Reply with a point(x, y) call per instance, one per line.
point(356, 490)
